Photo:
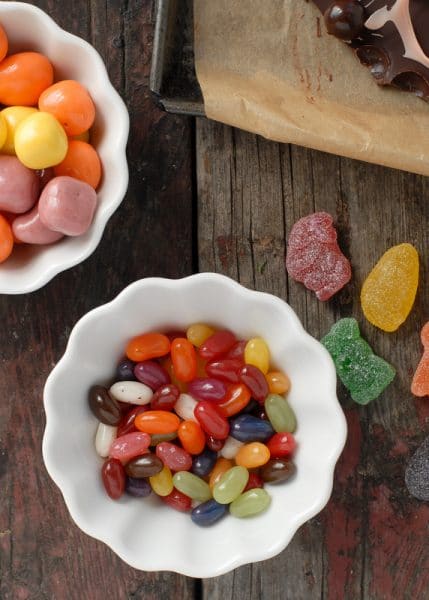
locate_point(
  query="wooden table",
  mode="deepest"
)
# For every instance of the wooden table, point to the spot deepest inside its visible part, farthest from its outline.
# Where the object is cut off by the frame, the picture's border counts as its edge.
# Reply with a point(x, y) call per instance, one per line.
point(205, 197)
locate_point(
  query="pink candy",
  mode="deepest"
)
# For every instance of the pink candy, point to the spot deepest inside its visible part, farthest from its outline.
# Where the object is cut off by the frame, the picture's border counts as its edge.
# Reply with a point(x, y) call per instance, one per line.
point(19, 186)
point(129, 446)
point(29, 229)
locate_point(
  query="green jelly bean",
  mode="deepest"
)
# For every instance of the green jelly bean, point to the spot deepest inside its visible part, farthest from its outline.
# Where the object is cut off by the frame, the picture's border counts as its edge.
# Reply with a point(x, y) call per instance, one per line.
point(230, 485)
point(192, 486)
point(157, 438)
point(250, 503)
point(280, 414)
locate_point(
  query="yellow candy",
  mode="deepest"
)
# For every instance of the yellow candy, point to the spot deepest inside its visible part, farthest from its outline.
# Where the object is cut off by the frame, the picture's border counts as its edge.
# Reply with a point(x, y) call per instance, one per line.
point(278, 382)
point(162, 482)
point(389, 291)
point(13, 116)
point(252, 455)
point(198, 333)
point(40, 141)
point(3, 130)
point(222, 466)
point(257, 353)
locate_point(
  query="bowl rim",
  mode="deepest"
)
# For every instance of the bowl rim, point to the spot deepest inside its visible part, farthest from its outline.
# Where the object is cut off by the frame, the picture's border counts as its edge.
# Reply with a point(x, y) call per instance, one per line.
point(183, 567)
point(123, 119)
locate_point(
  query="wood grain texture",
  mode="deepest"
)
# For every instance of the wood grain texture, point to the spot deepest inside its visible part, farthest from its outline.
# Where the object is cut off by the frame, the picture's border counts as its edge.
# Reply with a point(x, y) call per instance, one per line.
point(371, 541)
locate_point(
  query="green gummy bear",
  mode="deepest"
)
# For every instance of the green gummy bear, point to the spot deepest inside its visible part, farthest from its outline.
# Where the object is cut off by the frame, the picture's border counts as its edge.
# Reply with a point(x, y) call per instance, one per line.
point(364, 374)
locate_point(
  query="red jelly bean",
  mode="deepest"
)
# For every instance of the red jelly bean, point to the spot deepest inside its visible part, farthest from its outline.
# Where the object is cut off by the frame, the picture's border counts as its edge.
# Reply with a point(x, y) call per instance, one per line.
point(225, 369)
point(254, 481)
point(237, 351)
point(113, 475)
point(127, 422)
point(281, 445)
point(165, 397)
point(211, 420)
point(217, 344)
point(255, 381)
point(173, 457)
point(151, 373)
point(178, 501)
point(236, 398)
point(184, 359)
point(214, 444)
point(192, 437)
point(157, 421)
point(205, 388)
point(147, 346)
point(129, 446)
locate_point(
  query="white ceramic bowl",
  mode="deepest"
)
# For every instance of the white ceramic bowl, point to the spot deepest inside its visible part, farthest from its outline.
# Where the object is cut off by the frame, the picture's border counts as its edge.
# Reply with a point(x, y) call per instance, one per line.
point(29, 28)
point(145, 533)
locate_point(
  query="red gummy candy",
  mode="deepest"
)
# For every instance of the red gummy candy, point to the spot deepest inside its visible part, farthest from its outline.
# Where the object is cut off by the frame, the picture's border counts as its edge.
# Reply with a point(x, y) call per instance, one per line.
point(314, 257)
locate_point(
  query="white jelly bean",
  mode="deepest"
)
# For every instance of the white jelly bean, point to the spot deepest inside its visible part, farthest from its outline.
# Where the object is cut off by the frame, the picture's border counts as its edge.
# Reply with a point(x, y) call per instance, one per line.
point(230, 448)
point(185, 406)
point(105, 436)
point(131, 392)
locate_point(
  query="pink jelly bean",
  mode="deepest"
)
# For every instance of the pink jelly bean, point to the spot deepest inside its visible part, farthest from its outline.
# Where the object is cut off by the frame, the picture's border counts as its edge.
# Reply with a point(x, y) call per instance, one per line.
point(19, 186)
point(152, 374)
point(174, 457)
point(28, 228)
point(129, 446)
point(67, 205)
point(207, 388)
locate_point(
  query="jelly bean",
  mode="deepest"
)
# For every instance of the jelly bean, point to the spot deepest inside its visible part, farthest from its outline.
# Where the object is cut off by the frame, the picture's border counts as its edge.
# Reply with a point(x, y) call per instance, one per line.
point(19, 186)
point(162, 482)
point(198, 333)
point(4, 43)
point(211, 420)
point(201, 367)
point(207, 389)
point(185, 407)
point(127, 422)
point(420, 383)
point(214, 444)
point(137, 487)
point(6, 239)
point(192, 486)
point(29, 229)
point(260, 412)
point(13, 116)
point(157, 421)
point(147, 346)
point(237, 351)
point(81, 162)
point(168, 366)
point(255, 381)
point(103, 406)
point(256, 353)
point(280, 414)
point(281, 445)
point(247, 428)
point(184, 359)
point(131, 392)
point(178, 501)
point(158, 438)
point(250, 503)
point(230, 485)
point(203, 463)
point(222, 466)
point(146, 465)
point(277, 470)
point(217, 344)
point(104, 437)
point(128, 446)
point(252, 455)
point(208, 513)
point(40, 141)
point(125, 370)
point(165, 397)
point(174, 457)
point(230, 448)
point(151, 373)
point(255, 481)
point(225, 369)
point(278, 382)
point(23, 77)
point(237, 397)
point(70, 104)
point(113, 476)
point(67, 205)
point(192, 437)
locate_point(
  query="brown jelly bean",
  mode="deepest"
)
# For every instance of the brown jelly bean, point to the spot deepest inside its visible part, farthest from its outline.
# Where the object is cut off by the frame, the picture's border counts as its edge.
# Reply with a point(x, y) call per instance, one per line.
point(103, 406)
point(277, 470)
point(146, 465)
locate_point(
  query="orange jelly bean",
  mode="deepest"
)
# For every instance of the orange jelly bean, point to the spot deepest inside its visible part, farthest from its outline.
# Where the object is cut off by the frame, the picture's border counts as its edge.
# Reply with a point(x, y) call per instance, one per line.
point(23, 77)
point(222, 466)
point(237, 397)
point(147, 346)
point(278, 382)
point(6, 239)
point(70, 104)
point(192, 437)
point(184, 359)
point(252, 455)
point(157, 421)
point(81, 162)
point(167, 364)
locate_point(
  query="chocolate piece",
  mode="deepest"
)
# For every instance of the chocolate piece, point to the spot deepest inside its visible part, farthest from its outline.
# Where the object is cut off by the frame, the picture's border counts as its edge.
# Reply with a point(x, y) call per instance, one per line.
point(394, 42)
point(345, 19)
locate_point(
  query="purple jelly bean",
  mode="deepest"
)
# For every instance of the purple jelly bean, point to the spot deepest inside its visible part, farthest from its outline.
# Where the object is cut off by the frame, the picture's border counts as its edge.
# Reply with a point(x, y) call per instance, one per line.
point(207, 388)
point(125, 370)
point(137, 487)
point(152, 374)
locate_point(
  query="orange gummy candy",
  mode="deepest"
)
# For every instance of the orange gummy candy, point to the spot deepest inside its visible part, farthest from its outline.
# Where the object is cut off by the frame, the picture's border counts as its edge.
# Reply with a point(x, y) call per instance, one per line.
point(420, 384)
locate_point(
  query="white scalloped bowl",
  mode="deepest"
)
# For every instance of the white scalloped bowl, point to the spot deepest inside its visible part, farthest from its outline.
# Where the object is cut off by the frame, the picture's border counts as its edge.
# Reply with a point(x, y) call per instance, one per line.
point(29, 28)
point(147, 534)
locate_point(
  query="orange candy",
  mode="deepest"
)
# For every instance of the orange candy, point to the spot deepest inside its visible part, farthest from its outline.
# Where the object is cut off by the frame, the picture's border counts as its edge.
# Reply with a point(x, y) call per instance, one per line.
point(147, 346)
point(167, 364)
point(420, 384)
point(23, 77)
point(70, 104)
point(222, 466)
point(191, 436)
point(4, 44)
point(157, 422)
point(81, 162)
point(184, 359)
point(278, 382)
point(237, 397)
point(6, 239)
point(252, 455)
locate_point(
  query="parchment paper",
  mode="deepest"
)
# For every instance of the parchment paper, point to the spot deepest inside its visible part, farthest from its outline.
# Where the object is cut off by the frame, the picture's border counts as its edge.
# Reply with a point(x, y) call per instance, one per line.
point(268, 66)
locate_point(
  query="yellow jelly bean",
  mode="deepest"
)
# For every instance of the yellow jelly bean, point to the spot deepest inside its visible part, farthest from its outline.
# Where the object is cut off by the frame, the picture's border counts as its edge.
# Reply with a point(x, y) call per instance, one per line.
point(257, 353)
point(198, 333)
point(162, 482)
point(13, 116)
point(40, 141)
point(252, 455)
point(222, 466)
point(278, 382)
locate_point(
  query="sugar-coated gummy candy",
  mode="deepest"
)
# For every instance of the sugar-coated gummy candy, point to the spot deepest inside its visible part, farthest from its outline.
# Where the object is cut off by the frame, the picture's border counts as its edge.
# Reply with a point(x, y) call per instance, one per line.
point(29, 229)
point(389, 291)
point(237, 397)
point(131, 392)
point(165, 397)
point(162, 482)
point(247, 428)
point(211, 419)
point(137, 487)
point(23, 77)
point(146, 465)
point(105, 436)
point(192, 486)
point(198, 333)
point(277, 470)
point(40, 141)
point(128, 446)
point(208, 513)
point(280, 413)
point(19, 186)
point(104, 406)
point(70, 103)
point(157, 421)
point(191, 437)
point(176, 458)
point(113, 476)
point(420, 383)
point(250, 503)
point(417, 473)
point(185, 406)
point(231, 447)
point(314, 257)
point(255, 381)
point(202, 464)
point(230, 485)
point(207, 388)
point(257, 353)
point(363, 373)
point(184, 359)
point(147, 346)
point(151, 374)
point(178, 501)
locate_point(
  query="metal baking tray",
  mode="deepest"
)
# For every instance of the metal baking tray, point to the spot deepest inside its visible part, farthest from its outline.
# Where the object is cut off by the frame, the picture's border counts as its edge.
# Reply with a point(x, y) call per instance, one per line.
point(173, 81)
